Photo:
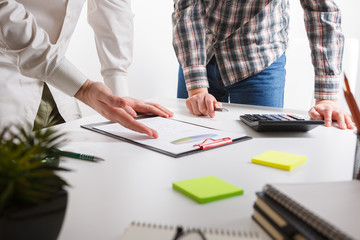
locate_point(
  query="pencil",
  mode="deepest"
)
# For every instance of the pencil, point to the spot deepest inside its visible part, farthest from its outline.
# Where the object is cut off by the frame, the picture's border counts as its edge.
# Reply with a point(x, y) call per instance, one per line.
point(354, 109)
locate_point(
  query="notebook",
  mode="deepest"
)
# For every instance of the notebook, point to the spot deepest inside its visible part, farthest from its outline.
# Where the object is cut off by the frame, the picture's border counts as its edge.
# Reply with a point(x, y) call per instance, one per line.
point(332, 208)
point(274, 218)
point(137, 231)
point(207, 189)
point(267, 224)
point(281, 160)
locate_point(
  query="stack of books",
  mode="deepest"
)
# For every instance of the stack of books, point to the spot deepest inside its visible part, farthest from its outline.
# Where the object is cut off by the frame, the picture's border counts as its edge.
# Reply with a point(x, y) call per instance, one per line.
point(328, 210)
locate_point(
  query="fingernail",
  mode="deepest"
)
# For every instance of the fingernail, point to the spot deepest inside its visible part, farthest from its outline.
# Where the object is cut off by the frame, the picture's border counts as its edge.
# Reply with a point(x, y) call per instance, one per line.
point(155, 134)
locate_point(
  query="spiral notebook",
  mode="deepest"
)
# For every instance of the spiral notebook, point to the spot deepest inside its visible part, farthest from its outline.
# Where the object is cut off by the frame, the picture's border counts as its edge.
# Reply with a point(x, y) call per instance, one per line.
point(137, 231)
point(331, 208)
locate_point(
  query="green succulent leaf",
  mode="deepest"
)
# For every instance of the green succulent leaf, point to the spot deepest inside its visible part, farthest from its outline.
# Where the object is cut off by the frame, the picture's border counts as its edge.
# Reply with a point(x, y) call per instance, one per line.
point(24, 178)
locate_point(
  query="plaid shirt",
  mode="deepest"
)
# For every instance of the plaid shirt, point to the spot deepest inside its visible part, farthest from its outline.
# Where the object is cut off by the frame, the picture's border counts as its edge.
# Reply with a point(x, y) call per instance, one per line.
point(246, 36)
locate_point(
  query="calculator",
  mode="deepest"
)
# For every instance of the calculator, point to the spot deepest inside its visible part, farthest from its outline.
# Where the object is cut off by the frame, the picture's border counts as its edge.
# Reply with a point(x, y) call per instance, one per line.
point(279, 122)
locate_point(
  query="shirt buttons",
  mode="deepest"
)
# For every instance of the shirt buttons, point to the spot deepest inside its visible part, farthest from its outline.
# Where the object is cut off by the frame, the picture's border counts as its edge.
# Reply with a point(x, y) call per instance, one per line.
point(228, 3)
point(216, 45)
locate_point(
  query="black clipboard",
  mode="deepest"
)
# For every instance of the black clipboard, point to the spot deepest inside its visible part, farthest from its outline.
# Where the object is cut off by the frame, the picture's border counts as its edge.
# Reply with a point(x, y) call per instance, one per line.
point(93, 127)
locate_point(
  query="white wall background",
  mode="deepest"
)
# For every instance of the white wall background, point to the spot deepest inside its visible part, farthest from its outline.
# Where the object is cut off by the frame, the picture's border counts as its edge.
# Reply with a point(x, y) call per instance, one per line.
point(154, 69)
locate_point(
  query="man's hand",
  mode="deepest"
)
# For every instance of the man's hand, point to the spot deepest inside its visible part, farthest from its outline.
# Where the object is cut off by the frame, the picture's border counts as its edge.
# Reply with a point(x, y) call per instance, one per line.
point(328, 110)
point(200, 102)
point(121, 110)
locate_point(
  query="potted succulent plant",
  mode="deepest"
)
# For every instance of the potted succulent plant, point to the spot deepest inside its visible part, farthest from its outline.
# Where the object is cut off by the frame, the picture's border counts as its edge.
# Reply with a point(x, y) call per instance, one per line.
point(32, 196)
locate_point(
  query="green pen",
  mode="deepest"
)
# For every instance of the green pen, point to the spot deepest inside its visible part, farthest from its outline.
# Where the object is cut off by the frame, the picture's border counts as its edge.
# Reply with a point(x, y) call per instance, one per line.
point(77, 155)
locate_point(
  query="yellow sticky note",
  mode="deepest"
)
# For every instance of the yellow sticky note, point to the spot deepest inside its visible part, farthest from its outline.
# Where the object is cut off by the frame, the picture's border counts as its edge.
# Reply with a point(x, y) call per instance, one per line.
point(285, 161)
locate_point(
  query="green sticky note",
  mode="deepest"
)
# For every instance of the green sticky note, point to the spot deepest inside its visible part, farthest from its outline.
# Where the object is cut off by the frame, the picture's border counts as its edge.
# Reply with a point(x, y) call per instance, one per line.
point(207, 189)
point(281, 160)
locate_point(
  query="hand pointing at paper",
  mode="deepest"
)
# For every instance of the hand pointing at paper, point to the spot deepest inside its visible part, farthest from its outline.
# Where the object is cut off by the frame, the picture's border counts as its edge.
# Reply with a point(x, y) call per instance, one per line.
point(122, 110)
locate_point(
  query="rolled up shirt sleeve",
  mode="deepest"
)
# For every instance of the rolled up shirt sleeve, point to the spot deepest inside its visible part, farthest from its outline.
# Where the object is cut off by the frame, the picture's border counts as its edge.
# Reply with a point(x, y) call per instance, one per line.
point(112, 22)
point(28, 46)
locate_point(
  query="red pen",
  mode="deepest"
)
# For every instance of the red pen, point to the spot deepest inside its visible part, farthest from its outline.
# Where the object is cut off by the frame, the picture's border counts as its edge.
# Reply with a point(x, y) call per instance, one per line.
point(214, 143)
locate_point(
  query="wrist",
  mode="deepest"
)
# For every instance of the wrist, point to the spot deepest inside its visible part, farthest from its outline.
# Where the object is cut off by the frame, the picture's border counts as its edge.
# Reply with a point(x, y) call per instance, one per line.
point(335, 101)
point(197, 91)
point(81, 92)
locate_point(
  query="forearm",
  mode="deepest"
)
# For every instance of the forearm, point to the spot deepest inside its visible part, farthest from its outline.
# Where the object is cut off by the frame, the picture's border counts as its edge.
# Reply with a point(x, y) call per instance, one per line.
point(112, 22)
point(323, 26)
point(189, 41)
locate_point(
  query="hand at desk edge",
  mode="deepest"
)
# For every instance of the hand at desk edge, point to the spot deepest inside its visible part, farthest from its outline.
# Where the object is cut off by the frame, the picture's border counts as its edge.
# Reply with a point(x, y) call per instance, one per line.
point(201, 103)
point(329, 111)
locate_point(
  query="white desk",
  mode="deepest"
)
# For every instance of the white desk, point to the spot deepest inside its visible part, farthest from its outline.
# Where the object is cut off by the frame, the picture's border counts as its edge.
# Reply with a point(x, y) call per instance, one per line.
point(135, 184)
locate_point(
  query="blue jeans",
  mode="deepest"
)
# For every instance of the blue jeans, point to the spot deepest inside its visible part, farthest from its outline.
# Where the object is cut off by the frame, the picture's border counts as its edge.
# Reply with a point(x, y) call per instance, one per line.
point(264, 89)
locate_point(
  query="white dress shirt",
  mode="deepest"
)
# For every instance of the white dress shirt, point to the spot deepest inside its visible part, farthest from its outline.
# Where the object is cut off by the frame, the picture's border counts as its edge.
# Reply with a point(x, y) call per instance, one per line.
point(34, 36)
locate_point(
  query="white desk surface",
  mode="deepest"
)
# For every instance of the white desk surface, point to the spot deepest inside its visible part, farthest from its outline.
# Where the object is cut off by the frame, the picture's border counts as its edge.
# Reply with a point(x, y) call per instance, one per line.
point(135, 184)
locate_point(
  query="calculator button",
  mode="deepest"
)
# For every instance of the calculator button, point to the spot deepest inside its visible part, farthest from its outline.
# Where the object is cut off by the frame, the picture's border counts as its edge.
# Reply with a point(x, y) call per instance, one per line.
point(284, 116)
point(272, 117)
point(295, 117)
point(249, 117)
point(262, 117)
